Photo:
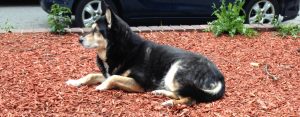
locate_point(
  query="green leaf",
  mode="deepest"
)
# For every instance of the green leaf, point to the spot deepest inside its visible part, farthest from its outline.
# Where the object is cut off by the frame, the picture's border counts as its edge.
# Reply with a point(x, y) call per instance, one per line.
point(229, 20)
point(59, 18)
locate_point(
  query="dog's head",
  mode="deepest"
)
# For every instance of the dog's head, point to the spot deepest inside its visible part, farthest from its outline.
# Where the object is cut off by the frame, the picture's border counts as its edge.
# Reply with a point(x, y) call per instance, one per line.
point(97, 37)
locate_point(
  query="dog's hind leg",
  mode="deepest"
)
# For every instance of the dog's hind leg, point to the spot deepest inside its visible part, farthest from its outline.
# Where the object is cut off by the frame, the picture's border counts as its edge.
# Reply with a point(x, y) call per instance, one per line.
point(175, 98)
point(120, 82)
point(167, 93)
point(183, 100)
point(89, 79)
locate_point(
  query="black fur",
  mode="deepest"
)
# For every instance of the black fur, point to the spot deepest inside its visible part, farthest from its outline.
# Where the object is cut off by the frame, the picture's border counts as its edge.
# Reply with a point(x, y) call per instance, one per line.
point(149, 62)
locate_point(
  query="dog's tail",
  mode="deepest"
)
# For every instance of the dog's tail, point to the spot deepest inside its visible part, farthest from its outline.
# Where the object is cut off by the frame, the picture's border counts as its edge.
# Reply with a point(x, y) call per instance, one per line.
point(204, 86)
point(203, 95)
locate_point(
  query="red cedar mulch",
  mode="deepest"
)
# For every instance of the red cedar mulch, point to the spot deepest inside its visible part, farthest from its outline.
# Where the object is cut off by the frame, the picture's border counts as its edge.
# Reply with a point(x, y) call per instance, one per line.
point(34, 68)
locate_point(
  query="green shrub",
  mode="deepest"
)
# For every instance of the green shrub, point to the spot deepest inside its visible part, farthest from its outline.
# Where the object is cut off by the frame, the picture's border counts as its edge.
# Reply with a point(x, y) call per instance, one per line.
point(59, 18)
point(7, 27)
point(286, 29)
point(229, 20)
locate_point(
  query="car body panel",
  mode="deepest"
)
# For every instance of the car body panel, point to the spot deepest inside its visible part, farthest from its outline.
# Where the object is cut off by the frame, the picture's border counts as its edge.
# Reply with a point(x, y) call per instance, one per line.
point(149, 8)
point(289, 9)
point(46, 4)
point(194, 8)
point(158, 11)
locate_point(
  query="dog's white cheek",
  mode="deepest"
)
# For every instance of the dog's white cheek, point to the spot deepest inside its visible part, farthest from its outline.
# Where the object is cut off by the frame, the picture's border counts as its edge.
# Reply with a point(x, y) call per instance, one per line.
point(94, 45)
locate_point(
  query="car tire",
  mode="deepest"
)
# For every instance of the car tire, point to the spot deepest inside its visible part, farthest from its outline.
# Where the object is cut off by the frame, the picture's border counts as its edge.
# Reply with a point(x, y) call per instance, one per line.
point(261, 11)
point(87, 12)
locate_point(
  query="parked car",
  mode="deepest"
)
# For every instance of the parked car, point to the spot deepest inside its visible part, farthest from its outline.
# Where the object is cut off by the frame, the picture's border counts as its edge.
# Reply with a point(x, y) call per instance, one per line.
point(163, 12)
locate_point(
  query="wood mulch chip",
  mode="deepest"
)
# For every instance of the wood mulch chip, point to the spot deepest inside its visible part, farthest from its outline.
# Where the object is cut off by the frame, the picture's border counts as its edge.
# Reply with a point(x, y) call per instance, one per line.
point(35, 66)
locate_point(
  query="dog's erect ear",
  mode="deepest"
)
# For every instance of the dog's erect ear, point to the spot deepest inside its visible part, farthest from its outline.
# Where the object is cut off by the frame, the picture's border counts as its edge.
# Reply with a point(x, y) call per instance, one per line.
point(95, 26)
point(108, 17)
point(107, 12)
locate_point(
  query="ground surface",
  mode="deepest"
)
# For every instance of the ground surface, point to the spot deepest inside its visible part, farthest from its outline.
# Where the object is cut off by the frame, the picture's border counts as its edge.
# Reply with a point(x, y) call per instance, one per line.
point(34, 68)
point(22, 14)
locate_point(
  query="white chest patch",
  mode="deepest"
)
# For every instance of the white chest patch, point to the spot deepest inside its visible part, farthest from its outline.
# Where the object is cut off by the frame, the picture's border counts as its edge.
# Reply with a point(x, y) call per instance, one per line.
point(106, 68)
point(169, 80)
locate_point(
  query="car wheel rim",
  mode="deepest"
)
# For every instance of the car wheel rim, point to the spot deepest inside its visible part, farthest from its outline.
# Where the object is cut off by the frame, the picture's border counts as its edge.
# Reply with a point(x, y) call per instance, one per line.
point(262, 12)
point(91, 13)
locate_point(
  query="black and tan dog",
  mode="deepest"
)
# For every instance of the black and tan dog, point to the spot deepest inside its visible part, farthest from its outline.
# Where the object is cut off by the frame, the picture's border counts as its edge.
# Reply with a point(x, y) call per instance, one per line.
point(133, 64)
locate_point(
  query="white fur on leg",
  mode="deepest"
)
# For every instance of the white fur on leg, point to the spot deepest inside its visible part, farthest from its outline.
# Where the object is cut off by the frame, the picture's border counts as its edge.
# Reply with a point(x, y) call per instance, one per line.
point(167, 93)
point(101, 87)
point(87, 80)
point(106, 84)
point(158, 92)
point(168, 103)
point(75, 83)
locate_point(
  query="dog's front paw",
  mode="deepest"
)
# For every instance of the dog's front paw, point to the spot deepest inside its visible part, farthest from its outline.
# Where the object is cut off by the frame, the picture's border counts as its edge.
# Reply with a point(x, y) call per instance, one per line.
point(75, 83)
point(101, 87)
point(168, 103)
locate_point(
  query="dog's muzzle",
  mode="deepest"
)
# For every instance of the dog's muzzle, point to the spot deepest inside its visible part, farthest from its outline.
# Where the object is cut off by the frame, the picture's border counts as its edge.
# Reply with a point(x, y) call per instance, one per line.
point(81, 40)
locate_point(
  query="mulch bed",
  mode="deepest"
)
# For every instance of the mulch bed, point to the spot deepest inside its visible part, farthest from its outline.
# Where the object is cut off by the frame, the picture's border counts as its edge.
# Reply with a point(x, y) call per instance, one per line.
point(35, 66)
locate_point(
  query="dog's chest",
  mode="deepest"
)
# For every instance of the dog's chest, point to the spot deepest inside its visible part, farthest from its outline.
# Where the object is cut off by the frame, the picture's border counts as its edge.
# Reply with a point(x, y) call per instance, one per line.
point(106, 67)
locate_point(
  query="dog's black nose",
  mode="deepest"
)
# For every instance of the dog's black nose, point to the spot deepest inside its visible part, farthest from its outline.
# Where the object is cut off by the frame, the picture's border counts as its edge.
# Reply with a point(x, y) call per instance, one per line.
point(80, 40)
